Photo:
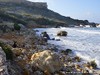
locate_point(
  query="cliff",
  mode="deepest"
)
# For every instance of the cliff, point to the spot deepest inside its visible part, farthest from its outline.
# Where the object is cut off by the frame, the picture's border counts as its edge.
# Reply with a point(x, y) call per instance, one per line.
point(35, 11)
point(28, 3)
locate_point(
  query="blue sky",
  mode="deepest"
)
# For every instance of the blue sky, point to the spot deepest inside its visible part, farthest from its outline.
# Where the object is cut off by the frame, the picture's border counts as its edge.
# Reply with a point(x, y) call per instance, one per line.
point(78, 9)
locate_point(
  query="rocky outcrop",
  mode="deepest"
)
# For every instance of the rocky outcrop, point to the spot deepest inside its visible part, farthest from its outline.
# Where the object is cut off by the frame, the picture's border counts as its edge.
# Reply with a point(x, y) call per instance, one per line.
point(47, 61)
point(28, 3)
point(62, 33)
point(38, 4)
point(3, 66)
point(45, 35)
point(12, 0)
point(27, 11)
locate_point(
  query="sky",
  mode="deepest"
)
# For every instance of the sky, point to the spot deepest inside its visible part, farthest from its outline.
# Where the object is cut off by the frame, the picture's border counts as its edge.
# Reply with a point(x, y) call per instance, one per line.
point(77, 9)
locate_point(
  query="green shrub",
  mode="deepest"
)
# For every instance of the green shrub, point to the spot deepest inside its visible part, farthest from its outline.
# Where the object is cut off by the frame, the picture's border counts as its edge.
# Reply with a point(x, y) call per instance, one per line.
point(7, 50)
point(16, 26)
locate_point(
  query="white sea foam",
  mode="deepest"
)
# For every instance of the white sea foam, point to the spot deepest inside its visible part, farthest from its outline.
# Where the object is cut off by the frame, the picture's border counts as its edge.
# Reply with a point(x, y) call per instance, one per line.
point(85, 42)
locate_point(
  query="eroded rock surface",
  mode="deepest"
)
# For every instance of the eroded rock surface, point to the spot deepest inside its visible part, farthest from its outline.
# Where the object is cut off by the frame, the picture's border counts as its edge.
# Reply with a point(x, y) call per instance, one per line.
point(3, 66)
point(47, 60)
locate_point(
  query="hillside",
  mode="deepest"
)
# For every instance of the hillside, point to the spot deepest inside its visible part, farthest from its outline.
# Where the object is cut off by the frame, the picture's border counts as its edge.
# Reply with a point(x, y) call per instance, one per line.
point(24, 11)
point(27, 47)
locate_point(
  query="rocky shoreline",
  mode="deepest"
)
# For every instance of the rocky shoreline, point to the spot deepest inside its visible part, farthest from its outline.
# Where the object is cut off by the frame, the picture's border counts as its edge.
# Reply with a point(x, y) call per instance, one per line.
point(31, 55)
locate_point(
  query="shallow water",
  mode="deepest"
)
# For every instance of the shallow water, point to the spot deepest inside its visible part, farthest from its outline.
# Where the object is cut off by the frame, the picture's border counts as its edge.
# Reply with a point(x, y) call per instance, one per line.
point(85, 42)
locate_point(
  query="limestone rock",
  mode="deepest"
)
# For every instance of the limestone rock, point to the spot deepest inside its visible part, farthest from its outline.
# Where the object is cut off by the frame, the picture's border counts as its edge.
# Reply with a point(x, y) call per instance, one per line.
point(18, 51)
point(62, 33)
point(3, 66)
point(47, 60)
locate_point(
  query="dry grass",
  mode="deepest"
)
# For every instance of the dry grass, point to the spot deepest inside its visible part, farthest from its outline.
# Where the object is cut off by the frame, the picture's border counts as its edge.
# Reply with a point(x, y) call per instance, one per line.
point(13, 37)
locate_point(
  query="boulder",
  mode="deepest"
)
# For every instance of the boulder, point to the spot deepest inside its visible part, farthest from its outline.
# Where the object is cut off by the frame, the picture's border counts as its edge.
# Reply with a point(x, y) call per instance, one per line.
point(3, 66)
point(62, 33)
point(45, 35)
point(47, 61)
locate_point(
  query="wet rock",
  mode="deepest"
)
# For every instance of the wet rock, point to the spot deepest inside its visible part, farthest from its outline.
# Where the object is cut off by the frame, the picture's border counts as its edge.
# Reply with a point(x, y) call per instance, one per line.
point(53, 39)
point(67, 51)
point(45, 35)
point(47, 60)
point(57, 39)
point(77, 59)
point(91, 65)
point(62, 33)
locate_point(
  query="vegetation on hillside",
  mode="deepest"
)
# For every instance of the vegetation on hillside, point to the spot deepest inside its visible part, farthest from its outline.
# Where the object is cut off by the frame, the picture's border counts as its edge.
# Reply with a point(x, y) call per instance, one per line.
point(17, 27)
point(7, 50)
point(23, 12)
